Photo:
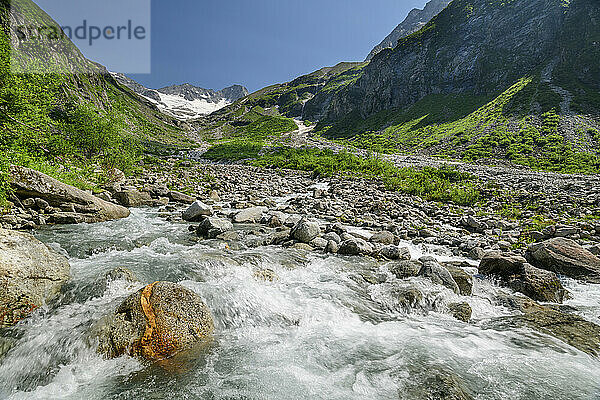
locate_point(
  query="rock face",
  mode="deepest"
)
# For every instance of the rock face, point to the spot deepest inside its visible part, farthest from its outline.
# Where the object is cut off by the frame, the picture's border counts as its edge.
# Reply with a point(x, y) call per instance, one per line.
point(516, 273)
point(565, 257)
point(156, 323)
point(472, 47)
point(415, 20)
point(28, 183)
point(197, 211)
point(30, 275)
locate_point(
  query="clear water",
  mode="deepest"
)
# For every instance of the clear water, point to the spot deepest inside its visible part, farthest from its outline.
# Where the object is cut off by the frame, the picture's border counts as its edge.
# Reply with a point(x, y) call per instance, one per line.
point(318, 332)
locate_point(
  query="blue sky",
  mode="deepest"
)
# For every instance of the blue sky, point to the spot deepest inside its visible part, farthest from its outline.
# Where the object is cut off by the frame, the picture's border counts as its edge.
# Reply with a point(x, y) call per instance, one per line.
point(256, 43)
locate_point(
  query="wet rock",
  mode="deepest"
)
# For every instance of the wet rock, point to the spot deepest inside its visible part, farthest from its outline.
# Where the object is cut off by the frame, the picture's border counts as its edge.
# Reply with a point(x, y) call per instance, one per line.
point(405, 269)
point(305, 231)
point(383, 237)
point(461, 311)
point(393, 252)
point(30, 275)
point(595, 250)
point(196, 212)
point(249, 215)
point(462, 279)
point(354, 247)
point(318, 243)
point(435, 383)
point(279, 237)
point(133, 198)
point(120, 274)
point(155, 323)
point(179, 197)
point(332, 247)
point(28, 183)
point(407, 297)
point(332, 236)
point(438, 274)
point(569, 328)
point(516, 273)
point(565, 257)
point(302, 246)
point(211, 227)
point(266, 275)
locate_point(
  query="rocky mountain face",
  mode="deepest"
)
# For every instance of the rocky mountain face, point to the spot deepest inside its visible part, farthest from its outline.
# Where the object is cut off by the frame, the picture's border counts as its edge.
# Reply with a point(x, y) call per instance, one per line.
point(415, 20)
point(186, 101)
point(477, 48)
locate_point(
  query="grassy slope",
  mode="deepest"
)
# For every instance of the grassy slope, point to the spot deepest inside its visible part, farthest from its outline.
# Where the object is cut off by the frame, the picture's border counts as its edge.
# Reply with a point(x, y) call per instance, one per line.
point(524, 123)
point(266, 112)
point(72, 126)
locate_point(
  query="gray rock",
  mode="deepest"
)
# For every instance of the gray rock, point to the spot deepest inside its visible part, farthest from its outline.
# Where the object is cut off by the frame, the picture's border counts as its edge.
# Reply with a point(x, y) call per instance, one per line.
point(133, 198)
point(407, 297)
point(318, 243)
point(569, 328)
point(156, 323)
point(354, 247)
point(30, 275)
point(305, 231)
point(332, 236)
point(462, 279)
point(516, 273)
point(249, 215)
point(332, 247)
point(565, 257)
point(405, 269)
point(179, 197)
point(211, 227)
point(196, 212)
point(461, 311)
point(393, 252)
point(28, 183)
point(438, 274)
point(383, 237)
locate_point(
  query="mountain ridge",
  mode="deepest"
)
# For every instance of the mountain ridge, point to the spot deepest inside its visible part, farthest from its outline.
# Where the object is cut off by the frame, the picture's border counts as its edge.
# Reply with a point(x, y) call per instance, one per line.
point(414, 21)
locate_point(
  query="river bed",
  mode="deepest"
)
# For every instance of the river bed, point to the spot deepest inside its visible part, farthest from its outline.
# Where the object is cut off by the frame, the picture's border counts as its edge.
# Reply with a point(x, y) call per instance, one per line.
point(318, 331)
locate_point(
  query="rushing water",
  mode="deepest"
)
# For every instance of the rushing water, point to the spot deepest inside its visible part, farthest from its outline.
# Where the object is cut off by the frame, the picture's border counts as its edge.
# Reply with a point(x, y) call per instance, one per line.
point(319, 331)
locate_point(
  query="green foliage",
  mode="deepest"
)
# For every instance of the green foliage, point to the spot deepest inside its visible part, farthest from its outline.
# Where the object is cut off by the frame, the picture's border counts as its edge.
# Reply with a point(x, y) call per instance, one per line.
point(233, 151)
point(266, 126)
point(444, 184)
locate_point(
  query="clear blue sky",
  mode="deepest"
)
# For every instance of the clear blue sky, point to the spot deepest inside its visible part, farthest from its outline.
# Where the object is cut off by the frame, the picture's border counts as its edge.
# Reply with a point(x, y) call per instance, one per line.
point(256, 43)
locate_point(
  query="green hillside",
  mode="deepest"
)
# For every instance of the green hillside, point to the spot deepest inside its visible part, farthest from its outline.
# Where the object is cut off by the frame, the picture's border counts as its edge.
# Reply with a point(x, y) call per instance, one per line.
point(74, 126)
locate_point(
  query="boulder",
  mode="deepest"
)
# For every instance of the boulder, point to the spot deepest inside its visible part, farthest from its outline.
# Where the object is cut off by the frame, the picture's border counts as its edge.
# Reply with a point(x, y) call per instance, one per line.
point(179, 197)
point(565, 257)
point(211, 227)
point(438, 274)
point(305, 231)
point(462, 279)
point(355, 246)
point(133, 198)
point(461, 311)
point(31, 274)
point(569, 328)
point(197, 211)
point(514, 272)
point(407, 297)
point(383, 237)
point(250, 215)
point(405, 269)
point(156, 323)
point(393, 252)
point(28, 183)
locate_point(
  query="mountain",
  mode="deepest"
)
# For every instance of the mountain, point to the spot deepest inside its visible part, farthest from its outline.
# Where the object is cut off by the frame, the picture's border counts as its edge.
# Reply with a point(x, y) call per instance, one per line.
point(517, 80)
point(70, 118)
point(415, 20)
point(269, 110)
point(186, 101)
